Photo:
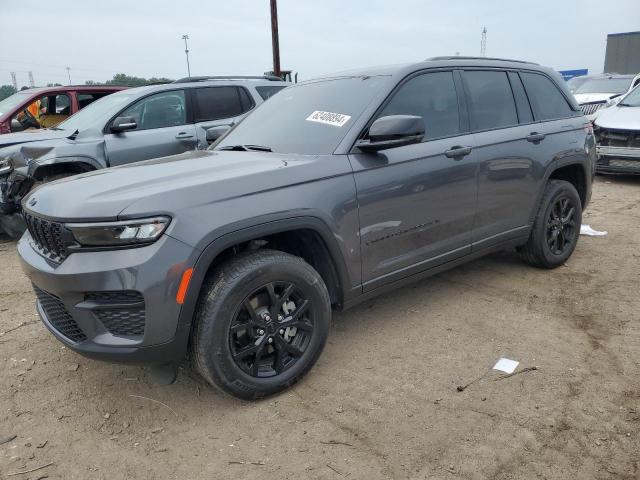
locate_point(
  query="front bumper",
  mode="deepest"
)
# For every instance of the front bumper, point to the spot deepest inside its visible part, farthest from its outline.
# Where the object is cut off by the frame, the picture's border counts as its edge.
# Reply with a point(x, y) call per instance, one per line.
point(618, 160)
point(66, 292)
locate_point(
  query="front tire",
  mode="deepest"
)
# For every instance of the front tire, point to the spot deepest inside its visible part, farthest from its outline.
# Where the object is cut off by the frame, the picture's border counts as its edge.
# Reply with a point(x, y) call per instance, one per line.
point(261, 323)
point(556, 228)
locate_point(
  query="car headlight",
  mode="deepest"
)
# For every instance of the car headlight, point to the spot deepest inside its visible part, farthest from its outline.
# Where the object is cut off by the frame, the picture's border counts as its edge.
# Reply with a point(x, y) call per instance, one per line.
point(119, 234)
point(5, 166)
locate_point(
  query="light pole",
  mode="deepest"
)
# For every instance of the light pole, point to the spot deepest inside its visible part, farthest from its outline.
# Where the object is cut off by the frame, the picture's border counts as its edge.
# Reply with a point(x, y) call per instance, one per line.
point(275, 41)
point(186, 51)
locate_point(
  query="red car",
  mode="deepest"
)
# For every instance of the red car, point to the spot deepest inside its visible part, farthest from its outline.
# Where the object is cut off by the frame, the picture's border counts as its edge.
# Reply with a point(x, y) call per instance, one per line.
point(47, 106)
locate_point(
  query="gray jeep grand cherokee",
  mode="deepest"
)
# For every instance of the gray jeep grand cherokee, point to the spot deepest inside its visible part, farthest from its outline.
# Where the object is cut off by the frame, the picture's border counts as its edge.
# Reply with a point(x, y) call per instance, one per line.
point(334, 191)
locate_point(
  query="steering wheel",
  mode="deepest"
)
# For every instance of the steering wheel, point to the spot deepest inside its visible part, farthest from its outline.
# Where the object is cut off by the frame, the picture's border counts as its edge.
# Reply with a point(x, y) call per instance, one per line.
point(29, 120)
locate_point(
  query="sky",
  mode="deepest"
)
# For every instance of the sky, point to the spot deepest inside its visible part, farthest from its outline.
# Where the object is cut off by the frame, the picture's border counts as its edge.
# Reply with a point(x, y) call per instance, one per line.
point(98, 38)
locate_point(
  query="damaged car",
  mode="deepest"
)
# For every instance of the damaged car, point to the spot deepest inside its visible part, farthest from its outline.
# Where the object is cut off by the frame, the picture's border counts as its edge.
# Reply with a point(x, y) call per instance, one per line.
point(127, 126)
point(618, 134)
point(601, 91)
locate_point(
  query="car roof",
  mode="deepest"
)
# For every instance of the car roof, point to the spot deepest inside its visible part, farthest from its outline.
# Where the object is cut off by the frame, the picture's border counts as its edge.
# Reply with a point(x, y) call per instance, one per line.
point(226, 81)
point(607, 75)
point(435, 62)
point(85, 88)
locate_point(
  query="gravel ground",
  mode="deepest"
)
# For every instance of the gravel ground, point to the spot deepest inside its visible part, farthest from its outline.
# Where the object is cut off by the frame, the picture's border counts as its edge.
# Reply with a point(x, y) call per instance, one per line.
point(382, 401)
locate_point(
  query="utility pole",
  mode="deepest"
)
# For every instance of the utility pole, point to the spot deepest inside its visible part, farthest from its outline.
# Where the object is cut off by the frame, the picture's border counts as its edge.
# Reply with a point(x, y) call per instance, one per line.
point(186, 51)
point(275, 43)
point(483, 43)
point(14, 81)
point(31, 82)
point(69, 74)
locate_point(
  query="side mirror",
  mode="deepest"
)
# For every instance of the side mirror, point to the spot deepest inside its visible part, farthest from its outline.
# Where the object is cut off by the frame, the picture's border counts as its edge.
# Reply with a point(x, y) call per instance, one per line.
point(214, 133)
point(16, 126)
point(122, 124)
point(393, 131)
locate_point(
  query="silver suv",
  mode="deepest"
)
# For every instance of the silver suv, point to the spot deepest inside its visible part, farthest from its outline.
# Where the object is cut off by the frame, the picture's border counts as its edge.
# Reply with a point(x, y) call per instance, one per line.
point(128, 126)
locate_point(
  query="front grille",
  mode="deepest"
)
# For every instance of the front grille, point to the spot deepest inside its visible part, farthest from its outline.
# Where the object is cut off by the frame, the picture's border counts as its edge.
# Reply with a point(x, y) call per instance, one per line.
point(619, 138)
point(47, 236)
point(59, 317)
point(591, 108)
point(127, 315)
point(122, 321)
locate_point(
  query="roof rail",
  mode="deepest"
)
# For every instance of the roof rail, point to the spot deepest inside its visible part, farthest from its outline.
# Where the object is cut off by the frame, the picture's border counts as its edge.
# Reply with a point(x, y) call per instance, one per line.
point(458, 57)
point(271, 78)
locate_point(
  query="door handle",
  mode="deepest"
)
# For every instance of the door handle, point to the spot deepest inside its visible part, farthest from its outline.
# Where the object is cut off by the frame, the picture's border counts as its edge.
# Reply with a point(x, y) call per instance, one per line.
point(183, 135)
point(458, 152)
point(535, 137)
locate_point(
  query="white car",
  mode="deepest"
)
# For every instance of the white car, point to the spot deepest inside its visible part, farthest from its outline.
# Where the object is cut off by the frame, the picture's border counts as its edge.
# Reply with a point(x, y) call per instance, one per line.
point(605, 90)
point(617, 130)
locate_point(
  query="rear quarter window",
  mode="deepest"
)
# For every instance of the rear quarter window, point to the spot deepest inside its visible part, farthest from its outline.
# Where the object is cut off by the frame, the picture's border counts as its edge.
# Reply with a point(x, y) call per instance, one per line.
point(269, 91)
point(547, 101)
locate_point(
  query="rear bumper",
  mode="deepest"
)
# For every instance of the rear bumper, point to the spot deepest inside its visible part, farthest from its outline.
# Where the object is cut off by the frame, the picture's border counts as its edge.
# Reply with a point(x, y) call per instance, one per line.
point(618, 160)
point(77, 321)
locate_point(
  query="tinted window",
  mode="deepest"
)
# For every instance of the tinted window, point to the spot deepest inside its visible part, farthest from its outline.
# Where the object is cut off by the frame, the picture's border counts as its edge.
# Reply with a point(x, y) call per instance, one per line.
point(213, 103)
point(286, 124)
point(266, 92)
point(166, 109)
point(431, 96)
point(545, 98)
point(491, 103)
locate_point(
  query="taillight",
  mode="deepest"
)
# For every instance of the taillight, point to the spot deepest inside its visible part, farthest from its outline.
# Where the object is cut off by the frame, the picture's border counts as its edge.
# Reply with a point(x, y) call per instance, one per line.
point(4, 127)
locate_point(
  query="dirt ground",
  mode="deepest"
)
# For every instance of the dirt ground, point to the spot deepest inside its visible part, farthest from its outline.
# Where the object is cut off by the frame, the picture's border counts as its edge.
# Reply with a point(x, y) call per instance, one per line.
point(382, 401)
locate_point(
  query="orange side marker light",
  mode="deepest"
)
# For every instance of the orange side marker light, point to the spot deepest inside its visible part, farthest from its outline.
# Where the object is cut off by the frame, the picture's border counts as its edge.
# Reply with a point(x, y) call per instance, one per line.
point(184, 285)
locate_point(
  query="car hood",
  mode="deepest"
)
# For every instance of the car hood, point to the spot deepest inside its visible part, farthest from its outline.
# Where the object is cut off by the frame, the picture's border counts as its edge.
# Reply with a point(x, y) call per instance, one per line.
point(594, 97)
point(169, 185)
point(620, 118)
point(32, 136)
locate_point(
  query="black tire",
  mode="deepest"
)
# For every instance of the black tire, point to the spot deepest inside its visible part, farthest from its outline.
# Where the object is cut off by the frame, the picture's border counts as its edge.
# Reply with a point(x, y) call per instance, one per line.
point(217, 334)
point(554, 237)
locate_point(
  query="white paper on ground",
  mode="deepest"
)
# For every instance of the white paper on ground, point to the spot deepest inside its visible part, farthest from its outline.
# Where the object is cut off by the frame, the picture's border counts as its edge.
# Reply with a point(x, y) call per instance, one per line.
point(587, 230)
point(505, 365)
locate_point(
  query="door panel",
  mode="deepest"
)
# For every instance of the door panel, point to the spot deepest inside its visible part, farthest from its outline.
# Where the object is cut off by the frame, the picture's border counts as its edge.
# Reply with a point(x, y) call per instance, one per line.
point(134, 146)
point(417, 208)
point(510, 168)
point(162, 129)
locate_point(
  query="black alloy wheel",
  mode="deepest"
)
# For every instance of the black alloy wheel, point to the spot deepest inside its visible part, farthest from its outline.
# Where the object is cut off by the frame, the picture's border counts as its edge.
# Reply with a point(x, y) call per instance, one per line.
point(271, 329)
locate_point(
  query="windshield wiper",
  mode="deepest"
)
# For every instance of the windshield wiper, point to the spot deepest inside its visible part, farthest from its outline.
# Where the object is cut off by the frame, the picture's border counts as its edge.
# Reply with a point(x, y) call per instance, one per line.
point(247, 148)
point(622, 104)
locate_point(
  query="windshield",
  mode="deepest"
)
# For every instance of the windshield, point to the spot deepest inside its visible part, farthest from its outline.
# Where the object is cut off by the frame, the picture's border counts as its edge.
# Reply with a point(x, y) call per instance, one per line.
point(604, 85)
point(308, 118)
point(632, 99)
point(12, 101)
point(101, 109)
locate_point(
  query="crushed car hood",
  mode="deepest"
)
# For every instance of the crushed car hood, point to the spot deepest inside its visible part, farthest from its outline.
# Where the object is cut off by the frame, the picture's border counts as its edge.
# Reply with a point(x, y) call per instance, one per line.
point(620, 118)
point(32, 136)
point(179, 183)
point(594, 97)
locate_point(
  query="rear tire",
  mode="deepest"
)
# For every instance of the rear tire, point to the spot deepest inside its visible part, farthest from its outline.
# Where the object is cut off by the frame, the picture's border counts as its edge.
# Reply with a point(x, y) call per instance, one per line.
point(261, 323)
point(556, 228)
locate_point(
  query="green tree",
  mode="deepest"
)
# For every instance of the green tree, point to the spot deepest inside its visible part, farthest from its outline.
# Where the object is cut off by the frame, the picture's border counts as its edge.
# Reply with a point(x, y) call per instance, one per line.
point(131, 81)
point(6, 91)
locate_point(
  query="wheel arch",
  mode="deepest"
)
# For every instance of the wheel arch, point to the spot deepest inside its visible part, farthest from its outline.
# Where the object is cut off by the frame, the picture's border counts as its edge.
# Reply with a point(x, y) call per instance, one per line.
point(575, 172)
point(56, 166)
point(307, 237)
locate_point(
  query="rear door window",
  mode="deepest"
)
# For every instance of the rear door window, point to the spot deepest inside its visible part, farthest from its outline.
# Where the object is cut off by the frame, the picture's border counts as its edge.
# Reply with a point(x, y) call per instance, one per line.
point(431, 96)
point(214, 103)
point(546, 99)
point(491, 103)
